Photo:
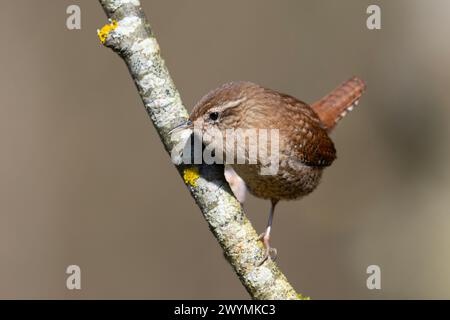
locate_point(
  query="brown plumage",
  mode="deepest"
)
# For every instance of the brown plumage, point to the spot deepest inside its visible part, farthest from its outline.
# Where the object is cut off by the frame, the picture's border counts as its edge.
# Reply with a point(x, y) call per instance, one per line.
point(305, 148)
point(334, 106)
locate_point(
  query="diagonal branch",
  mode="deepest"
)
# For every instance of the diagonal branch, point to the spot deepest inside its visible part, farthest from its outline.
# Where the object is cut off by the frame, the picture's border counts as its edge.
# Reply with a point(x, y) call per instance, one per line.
point(130, 35)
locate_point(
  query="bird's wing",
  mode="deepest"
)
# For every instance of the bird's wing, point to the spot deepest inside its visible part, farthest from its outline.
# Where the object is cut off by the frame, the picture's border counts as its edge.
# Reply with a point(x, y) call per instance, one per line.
point(306, 138)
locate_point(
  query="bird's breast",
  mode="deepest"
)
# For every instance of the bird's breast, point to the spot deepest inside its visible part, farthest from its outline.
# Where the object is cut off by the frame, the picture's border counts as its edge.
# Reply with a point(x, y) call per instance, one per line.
point(291, 180)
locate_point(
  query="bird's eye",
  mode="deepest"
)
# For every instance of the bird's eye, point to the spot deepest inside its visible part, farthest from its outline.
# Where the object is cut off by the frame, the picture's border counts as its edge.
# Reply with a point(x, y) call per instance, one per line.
point(214, 116)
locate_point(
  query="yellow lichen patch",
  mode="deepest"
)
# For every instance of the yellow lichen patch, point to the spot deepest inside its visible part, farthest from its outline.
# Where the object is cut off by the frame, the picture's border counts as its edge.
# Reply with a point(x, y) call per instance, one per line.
point(103, 32)
point(190, 176)
point(302, 297)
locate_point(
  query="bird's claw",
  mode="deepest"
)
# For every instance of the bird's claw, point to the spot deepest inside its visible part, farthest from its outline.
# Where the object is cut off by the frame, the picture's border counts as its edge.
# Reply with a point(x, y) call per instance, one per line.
point(270, 253)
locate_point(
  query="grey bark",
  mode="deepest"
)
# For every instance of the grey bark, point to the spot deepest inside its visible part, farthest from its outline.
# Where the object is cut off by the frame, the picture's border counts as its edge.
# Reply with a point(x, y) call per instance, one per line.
point(130, 35)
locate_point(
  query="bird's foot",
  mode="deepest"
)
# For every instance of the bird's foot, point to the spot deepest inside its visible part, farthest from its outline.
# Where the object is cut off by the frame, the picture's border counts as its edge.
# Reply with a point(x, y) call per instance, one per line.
point(270, 253)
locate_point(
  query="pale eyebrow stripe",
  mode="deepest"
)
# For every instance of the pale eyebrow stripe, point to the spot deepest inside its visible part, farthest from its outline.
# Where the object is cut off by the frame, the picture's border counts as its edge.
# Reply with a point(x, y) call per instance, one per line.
point(231, 104)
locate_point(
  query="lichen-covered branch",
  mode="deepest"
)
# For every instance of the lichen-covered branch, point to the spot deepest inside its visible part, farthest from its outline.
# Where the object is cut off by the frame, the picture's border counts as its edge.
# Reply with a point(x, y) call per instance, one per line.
point(130, 35)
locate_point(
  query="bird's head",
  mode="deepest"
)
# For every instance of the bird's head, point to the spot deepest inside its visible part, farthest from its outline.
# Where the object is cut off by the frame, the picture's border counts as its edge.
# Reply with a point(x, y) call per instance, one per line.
point(219, 110)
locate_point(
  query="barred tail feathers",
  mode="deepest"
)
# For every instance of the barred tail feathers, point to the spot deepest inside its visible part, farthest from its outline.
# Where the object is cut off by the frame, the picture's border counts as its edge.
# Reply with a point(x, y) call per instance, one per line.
point(334, 106)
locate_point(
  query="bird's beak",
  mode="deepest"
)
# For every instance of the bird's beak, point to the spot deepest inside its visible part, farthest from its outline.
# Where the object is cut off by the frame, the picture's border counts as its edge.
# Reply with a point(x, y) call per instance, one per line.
point(184, 125)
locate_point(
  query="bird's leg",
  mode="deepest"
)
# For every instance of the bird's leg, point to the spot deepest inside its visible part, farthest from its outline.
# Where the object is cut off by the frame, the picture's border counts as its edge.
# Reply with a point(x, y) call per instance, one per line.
point(271, 253)
point(236, 183)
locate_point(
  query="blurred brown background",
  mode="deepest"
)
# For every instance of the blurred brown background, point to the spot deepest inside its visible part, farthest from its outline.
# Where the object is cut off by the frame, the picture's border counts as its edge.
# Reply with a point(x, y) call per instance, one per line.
point(85, 180)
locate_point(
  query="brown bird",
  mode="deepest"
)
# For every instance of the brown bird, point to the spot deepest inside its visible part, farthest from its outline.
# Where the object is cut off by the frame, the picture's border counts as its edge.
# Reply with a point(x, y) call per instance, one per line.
point(304, 147)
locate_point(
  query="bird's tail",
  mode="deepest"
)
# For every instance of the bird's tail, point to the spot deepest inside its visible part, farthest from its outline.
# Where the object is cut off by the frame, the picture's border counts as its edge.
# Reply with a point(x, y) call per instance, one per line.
point(339, 102)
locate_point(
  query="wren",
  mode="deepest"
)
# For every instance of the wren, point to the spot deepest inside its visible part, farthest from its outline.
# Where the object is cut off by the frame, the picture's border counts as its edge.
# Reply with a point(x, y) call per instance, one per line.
point(305, 148)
